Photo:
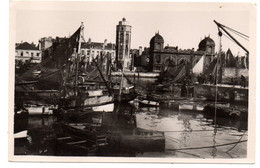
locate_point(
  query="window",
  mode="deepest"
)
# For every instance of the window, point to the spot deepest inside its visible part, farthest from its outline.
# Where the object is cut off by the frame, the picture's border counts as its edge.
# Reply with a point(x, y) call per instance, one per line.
point(121, 36)
point(31, 54)
point(127, 38)
point(126, 49)
point(88, 52)
point(158, 58)
point(209, 50)
point(37, 54)
point(21, 53)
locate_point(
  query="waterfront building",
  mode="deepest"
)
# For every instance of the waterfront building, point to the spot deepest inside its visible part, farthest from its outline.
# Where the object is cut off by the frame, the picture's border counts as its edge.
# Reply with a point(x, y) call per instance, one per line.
point(90, 50)
point(123, 44)
point(26, 52)
point(48, 45)
point(45, 43)
point(141, 60)
point(160, 57)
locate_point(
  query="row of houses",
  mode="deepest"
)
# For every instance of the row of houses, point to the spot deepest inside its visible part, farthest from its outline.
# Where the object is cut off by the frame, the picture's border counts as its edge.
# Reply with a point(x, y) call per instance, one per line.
point(26, 52)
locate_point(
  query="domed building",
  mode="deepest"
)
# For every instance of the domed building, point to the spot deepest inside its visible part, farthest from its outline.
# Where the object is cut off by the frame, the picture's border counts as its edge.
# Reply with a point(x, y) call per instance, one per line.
point(208, 45)
point(160, 57)
point(157, 42)
point(156, 49)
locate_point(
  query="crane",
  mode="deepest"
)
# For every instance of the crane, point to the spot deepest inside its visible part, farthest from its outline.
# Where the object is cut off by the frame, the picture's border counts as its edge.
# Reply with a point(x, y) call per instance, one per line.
point(223, 27)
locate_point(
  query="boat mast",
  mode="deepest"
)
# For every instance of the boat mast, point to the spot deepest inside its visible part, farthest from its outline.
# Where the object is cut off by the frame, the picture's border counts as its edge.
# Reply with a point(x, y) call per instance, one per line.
point(107, 86)
point(77, 57)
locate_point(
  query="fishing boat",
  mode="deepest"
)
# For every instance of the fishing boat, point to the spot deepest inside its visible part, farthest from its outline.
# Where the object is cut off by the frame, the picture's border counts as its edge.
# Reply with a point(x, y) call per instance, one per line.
point(222, 109)
point(144, 102)
point(68, 145)
point(93, 100)
point(86, 131)
point(126, 94)
point(187, 106)
point(78, 92)
point(191, 105)
point(39, 109)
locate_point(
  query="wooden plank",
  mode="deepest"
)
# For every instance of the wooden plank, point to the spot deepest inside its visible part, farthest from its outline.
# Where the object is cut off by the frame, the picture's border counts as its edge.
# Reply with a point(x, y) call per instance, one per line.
point(78, 142)
point(63, 138)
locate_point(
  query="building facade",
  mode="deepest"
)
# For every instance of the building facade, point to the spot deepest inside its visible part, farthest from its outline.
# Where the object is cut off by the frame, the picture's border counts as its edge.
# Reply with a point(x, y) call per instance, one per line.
point(123, 45)
point(160, 57)
point(90, 50)
point(25, 52)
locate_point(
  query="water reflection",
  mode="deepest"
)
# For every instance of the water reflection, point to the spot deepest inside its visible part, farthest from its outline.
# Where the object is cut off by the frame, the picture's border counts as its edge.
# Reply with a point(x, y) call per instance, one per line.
point(186, 134)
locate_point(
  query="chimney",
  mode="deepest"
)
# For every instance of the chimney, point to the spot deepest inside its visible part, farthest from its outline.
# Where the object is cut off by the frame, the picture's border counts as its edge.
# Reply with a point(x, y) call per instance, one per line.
point(140, 50)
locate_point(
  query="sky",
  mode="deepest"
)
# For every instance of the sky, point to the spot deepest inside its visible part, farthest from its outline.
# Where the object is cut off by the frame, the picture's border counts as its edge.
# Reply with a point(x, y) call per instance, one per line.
point(180, 24)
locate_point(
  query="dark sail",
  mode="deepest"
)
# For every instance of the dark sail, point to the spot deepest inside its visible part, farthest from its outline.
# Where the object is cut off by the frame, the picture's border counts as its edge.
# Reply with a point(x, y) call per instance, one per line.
point(51, 67)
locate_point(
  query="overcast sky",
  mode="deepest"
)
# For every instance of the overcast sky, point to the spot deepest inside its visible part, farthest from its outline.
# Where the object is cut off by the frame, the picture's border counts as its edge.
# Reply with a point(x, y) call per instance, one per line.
point(180, 24)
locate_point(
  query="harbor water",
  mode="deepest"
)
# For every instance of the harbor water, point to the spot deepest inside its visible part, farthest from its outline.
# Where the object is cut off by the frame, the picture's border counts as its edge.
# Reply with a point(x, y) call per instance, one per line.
point(187, 133)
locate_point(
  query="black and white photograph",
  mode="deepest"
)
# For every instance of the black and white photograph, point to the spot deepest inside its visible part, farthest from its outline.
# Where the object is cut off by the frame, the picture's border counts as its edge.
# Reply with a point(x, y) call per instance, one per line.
point(132, 81)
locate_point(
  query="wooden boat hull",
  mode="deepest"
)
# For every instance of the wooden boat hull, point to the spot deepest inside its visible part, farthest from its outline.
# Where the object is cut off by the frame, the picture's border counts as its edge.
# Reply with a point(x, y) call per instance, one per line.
point(148, 103)
point(93, 93)
point(186, 107)
point(39, 110)
point(103, 103)
point(87, 132)
point(226, 112)
point(104, 108)
point(69, 145)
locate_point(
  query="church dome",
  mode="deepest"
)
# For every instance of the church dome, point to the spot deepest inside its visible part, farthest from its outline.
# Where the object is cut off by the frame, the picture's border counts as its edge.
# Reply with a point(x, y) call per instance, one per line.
point(207, 41)
point(157, 38)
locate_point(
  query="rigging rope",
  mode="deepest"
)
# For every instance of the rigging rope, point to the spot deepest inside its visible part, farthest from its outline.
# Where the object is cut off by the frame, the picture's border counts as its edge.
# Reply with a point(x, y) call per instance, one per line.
point(236, 32)
point(236, 143)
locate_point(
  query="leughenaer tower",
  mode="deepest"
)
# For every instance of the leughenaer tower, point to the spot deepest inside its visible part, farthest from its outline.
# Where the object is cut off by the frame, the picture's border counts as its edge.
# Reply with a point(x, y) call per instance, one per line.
point(123, 43)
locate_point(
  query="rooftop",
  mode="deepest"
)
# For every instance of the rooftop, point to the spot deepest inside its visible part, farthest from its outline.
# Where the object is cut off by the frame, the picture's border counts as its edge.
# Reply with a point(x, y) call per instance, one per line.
point(26, 46)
